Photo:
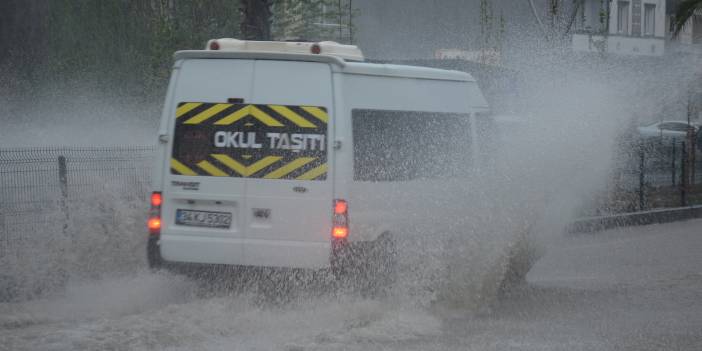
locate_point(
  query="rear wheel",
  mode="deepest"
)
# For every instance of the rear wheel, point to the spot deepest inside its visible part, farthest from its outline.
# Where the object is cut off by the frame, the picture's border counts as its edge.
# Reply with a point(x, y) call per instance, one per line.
point(153, 254)
point(367, 267)
point(381, 267)
point(157, 263)
point(521, 258)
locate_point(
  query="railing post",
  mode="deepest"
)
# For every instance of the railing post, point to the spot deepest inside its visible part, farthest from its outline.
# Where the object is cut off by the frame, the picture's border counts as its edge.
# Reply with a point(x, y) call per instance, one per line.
point(642, 179)
point(63, 184)
point(691, 144)
point(673, 165)
point(684, 178)
point(4, 240)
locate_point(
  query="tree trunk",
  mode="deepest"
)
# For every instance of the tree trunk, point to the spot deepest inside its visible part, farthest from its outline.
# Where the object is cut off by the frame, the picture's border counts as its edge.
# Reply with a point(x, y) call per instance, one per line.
point(256, 21)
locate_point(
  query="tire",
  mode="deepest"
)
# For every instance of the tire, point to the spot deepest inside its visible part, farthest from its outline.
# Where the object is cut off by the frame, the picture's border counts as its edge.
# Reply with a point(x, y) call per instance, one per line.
point(382, 270)
point(157, 263)
point(153, 254)
point(522, 257)
point(369, 268)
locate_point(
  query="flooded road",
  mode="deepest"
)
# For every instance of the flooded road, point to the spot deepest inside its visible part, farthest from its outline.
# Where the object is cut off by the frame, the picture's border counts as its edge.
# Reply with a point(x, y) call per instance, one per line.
point(636, 288)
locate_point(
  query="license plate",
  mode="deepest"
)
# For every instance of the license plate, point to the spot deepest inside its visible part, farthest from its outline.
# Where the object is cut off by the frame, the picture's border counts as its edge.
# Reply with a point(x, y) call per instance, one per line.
point(204, 219)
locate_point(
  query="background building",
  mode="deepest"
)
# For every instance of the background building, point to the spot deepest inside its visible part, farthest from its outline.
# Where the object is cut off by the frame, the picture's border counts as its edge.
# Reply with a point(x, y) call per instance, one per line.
point(633, 27)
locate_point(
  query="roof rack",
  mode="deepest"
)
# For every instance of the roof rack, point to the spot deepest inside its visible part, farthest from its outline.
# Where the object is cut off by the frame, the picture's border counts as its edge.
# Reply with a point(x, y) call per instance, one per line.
point(330, 48)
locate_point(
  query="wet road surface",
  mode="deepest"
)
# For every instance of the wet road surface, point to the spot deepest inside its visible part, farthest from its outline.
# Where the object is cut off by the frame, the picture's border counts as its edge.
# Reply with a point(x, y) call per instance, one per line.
point(636, 288)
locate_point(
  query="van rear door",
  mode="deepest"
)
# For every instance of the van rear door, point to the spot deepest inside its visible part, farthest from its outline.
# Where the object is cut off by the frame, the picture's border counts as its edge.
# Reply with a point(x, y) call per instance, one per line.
point(249, 181)
point(202, 210)
point(289, 205)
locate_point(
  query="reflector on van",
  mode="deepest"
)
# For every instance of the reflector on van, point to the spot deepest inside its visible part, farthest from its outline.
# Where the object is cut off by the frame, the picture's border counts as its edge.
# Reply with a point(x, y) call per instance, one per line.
point(347, 52)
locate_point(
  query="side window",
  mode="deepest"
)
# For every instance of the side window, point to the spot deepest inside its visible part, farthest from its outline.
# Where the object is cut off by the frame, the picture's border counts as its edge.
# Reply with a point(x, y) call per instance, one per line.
point(407, 145)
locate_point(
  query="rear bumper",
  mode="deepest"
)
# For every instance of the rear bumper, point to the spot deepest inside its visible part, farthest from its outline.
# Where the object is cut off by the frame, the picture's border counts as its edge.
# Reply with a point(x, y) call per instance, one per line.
point(245, 252)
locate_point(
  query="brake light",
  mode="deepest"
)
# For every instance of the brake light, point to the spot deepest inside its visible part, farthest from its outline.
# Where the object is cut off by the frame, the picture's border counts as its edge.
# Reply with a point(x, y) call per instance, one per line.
point(156, 199)
point(340, 207)
point(154, 222)
point(340, 232)
point(340, 220)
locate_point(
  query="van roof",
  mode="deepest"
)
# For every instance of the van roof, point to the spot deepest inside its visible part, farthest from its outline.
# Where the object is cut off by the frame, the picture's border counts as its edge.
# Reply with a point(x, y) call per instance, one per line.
point(363, 68)
point(390, 70)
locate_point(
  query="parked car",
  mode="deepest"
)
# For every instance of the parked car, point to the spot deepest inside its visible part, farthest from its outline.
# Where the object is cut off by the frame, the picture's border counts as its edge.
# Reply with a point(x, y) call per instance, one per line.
point(671, 130)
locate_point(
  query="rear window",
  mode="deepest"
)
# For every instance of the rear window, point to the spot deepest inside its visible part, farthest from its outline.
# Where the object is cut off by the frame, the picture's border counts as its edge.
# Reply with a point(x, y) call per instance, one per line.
point(407, 145)
point(250, 141)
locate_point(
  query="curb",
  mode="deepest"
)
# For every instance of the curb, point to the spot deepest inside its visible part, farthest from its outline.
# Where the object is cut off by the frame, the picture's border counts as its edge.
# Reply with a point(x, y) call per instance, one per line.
point(666, 215)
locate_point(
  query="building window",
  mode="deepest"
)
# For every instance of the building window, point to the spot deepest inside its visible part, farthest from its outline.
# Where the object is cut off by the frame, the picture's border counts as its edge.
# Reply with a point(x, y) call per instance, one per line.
point(650, 20)
point(623, 17)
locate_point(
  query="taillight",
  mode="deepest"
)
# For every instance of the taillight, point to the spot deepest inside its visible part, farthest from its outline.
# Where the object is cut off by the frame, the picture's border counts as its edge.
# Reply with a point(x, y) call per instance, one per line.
point(154, 222)
point(214, 45)
point(340, 232)
point(340, 220)
point(340, 207)
point(156, 199)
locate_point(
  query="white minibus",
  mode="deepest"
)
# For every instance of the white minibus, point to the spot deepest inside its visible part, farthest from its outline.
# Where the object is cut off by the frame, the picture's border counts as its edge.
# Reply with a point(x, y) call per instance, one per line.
point(294, 154)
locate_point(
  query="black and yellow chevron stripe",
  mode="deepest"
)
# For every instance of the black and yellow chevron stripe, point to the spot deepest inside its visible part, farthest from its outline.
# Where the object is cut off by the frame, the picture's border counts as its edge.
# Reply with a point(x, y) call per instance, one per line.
point(298, 117)
point(270, 167)
point(195, 155)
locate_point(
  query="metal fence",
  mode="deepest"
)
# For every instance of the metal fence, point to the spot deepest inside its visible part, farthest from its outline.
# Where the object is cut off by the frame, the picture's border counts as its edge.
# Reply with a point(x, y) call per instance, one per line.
point(44, 191)
point(655, 174)
point(52, 198)
point(82, 211)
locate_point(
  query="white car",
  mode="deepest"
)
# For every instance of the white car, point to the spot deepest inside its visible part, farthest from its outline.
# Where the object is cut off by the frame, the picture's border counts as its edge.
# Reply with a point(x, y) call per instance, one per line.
point(676, 130)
